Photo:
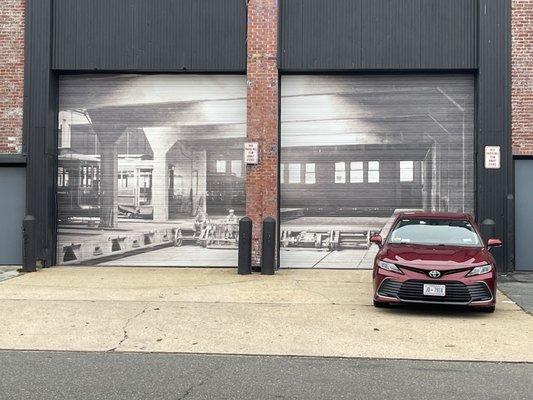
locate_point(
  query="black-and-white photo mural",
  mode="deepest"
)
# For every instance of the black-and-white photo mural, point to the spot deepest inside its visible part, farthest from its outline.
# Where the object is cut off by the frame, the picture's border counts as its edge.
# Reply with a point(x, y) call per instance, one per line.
point(150, 169)
point(356, 150)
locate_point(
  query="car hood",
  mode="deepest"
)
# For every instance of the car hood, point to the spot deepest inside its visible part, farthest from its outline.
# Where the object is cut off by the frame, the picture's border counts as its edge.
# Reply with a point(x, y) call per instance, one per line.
point(446, 257)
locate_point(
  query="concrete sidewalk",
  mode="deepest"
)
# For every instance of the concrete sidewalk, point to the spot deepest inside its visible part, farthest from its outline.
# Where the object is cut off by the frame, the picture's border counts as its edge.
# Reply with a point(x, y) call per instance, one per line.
point(295, 312)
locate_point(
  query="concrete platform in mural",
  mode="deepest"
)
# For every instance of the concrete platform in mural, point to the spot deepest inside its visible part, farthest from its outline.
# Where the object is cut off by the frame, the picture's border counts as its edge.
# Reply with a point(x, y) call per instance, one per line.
point(126, 245)
point(295, 312)
point(343, 258)
point(164, 253)
point(178, 257)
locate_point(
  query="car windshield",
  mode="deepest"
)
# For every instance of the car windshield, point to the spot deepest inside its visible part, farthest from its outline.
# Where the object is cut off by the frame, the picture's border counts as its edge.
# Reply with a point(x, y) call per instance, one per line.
point(429, 231)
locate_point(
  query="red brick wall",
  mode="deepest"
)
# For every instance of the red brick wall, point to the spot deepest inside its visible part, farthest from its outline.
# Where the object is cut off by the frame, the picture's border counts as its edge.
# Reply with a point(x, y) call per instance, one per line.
point(522, 77)
point(11, 74)
point(262, 111)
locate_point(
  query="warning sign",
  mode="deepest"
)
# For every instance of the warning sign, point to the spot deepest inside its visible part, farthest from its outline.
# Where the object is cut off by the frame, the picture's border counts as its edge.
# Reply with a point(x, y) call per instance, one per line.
point(251, 153)
point(492, 157)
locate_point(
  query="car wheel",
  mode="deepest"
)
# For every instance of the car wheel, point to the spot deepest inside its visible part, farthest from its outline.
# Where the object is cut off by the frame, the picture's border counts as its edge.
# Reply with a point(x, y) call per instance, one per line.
point(488, 309)
point(380, 304)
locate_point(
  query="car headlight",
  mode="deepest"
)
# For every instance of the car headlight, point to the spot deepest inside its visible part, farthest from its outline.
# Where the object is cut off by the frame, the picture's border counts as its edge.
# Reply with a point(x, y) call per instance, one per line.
point(482, 269)
point(389, 267)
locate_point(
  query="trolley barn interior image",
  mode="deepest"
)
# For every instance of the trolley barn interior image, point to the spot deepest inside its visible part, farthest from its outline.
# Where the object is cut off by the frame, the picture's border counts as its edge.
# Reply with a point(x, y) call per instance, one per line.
point(150, 169)
point(358, 149)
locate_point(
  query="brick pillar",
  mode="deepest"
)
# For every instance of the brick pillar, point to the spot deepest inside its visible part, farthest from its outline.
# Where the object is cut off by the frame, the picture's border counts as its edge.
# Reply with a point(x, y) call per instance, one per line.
point(522, 77)
point(262, 116)
point(11, 74)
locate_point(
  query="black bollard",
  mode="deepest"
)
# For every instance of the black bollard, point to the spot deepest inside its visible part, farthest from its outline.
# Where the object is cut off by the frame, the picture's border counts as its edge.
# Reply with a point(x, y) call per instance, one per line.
point(268, 250)
point(245, 246)
point(28, 238)
point(488, 229)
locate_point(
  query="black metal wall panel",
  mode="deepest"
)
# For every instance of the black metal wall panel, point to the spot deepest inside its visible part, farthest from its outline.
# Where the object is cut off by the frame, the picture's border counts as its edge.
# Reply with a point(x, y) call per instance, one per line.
point(218, 35)
point(377, 34)
point(449, 34)
point(391, 34)
point(321, 47)
point(494, 123)
point(159, 35)
point(40, 102)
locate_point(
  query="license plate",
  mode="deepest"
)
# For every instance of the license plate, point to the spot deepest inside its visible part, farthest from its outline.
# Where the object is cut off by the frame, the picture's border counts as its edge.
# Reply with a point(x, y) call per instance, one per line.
point(434, 290)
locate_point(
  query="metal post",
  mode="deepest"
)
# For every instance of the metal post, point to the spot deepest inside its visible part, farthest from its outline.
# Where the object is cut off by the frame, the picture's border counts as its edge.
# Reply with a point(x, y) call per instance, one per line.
point(28, 237)
point(245, 246)
point(268, 249)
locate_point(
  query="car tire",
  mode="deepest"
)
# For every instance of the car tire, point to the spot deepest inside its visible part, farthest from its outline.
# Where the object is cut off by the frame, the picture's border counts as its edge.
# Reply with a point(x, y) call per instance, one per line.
point(490, 309)
point(380, 304)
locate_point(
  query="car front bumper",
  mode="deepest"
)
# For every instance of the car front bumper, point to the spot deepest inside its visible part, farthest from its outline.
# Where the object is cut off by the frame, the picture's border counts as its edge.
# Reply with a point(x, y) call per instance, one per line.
point(474, 291)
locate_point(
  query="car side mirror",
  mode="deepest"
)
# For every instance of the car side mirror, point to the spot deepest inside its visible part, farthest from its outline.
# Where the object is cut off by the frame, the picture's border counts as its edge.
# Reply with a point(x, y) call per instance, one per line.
point(377, 239)
point(493, 242)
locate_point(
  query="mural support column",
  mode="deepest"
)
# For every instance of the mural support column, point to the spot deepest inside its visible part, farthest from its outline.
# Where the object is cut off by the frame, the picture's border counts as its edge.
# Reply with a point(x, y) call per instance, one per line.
point(108, 185)
point(262, 116)
point(108, 176)
point(160, 140)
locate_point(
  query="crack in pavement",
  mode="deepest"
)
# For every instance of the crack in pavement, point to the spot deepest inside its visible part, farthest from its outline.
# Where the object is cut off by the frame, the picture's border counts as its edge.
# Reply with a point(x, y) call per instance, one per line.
point(191, 388)
point(125, 330)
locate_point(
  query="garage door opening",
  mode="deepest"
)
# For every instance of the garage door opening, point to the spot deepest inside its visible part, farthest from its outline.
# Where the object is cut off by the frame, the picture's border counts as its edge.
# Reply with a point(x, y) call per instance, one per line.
point(150, 169)
point(356, 150)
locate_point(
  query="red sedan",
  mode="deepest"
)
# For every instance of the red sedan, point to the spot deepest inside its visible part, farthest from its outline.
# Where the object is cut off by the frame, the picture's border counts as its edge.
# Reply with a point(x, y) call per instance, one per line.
point(436, 258)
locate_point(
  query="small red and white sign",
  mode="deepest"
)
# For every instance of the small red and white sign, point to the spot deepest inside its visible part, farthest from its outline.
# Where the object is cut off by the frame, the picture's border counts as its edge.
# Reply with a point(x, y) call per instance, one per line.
point(492, 157)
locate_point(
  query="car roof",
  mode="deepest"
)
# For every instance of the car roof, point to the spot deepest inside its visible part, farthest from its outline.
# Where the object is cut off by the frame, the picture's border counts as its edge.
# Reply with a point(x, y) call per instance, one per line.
point(434, 215)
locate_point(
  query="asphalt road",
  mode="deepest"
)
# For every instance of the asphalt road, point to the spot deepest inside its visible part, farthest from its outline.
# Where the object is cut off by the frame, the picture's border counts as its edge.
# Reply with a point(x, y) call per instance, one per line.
point(519, 288)
point(110, 376)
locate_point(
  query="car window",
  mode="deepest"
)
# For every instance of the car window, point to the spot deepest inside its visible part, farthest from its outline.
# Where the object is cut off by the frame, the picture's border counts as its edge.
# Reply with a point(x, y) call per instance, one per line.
point(435, 232)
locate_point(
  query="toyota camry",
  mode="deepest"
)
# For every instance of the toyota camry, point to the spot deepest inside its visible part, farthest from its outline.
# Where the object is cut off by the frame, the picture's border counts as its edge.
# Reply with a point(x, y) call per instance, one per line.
point(436, 258)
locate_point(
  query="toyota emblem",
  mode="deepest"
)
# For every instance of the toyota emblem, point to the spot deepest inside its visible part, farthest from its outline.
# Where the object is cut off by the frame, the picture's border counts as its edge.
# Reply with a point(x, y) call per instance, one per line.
point(434, 274)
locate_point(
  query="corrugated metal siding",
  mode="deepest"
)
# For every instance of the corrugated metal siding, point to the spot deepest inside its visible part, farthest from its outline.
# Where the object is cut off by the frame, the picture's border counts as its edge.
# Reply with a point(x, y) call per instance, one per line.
point(378, 34)
point(493, 122)
point(335, 44)
point(40, 126)
point(449, 40)
point(130, 35)
point(391, 34)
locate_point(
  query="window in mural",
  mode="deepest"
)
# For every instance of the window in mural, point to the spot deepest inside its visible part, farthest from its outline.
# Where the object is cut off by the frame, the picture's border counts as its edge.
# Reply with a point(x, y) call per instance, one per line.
point(310, 174)
point(294, 173)
point(340, 172)
point(373, 171)
point(356, 172)
point(406, 171)
point(150, 169)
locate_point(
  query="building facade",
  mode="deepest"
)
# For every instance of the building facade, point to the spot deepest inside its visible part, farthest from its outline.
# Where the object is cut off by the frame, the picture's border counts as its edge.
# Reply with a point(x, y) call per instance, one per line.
point(127, 143)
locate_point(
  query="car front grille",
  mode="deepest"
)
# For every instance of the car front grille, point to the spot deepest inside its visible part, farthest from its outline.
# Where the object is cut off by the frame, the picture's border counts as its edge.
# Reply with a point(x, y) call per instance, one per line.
point(456, 292)
point(479, 291)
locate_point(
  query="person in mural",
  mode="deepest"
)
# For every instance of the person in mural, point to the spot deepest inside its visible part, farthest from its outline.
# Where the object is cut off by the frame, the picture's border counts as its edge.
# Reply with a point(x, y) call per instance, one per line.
point(200, 222)
point(231, 222)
